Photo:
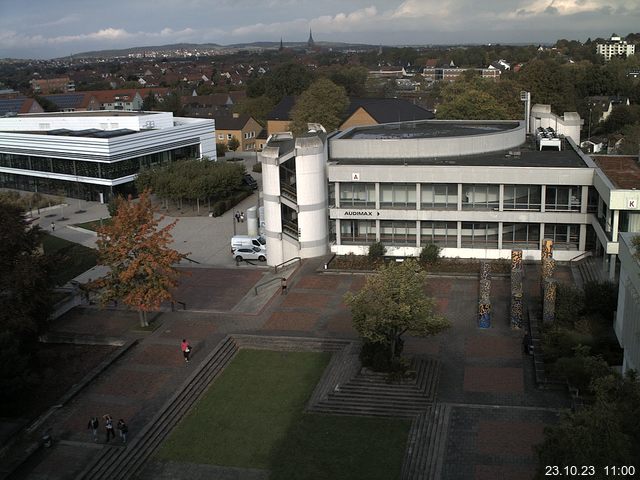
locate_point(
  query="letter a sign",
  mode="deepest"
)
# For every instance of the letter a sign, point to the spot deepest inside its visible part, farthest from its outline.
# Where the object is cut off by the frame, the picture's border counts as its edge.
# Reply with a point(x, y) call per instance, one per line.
point(355, 177)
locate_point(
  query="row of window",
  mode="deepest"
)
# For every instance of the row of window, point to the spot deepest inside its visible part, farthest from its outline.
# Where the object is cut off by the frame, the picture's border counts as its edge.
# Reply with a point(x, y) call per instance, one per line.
point(445, 234)
point(83, 168)
point(473, 196)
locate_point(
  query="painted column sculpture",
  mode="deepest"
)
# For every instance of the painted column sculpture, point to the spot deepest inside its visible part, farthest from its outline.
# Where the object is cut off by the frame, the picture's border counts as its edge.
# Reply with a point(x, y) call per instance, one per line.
point(484, 302)
point(517, 276)
point(549, 301)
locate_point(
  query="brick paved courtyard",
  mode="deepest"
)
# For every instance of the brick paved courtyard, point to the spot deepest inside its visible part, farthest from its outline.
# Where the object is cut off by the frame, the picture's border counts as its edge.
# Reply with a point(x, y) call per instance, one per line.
point(497, 417)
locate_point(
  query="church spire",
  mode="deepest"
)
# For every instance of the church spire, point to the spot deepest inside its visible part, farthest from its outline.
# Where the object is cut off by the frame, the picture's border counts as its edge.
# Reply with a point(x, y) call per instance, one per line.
point(281, 45)
point(310, 42)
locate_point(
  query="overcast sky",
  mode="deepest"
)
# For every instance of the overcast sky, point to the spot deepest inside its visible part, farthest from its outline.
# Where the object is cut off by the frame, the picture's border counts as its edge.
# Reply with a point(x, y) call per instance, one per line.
point(53, 28)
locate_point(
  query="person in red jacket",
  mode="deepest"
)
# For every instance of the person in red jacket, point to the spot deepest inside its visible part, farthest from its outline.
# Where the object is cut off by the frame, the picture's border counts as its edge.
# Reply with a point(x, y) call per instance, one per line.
point(186, 349)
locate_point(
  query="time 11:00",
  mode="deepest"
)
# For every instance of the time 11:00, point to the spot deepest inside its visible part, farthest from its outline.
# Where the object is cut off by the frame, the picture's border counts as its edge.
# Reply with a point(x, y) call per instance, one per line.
point(590, 470)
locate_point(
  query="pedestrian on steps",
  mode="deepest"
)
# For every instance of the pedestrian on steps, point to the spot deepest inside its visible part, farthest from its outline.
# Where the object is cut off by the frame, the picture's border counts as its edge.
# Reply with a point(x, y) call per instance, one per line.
point(108, 426)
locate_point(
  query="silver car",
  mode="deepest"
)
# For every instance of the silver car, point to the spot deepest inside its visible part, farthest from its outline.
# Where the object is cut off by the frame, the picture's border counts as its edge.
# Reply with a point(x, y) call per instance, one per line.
point(249, 253)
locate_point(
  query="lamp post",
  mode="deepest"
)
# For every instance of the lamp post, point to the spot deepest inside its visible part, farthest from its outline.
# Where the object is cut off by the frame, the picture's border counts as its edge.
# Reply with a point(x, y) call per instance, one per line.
point(589, 134)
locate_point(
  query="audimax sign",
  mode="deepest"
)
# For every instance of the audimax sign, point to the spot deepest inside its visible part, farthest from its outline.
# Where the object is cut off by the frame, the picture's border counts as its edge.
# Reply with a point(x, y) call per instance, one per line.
point(361, 213)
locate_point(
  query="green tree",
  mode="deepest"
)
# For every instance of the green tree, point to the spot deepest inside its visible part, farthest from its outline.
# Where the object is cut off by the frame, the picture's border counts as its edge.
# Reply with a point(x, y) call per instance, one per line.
point(286, 79)
point(376, 251)
point(25, 302)
point(142, 271)
point(323, 102)
point(150, 102)
point(392, 303)
point(257, 107)
point(233, 144)
point(604, 433)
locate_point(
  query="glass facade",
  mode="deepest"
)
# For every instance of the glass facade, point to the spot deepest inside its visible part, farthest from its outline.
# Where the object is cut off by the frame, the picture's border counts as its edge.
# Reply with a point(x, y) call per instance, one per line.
point(357, 195)
point(443, 234)
point(565, 237)
point(522, 197)
point(521, 235)
point(104, 170)
point(398, 232)
point(479, 235)
point(563, 198)
point(357, 232)
point(439, 196)
point(398, 195)
point(480, 197)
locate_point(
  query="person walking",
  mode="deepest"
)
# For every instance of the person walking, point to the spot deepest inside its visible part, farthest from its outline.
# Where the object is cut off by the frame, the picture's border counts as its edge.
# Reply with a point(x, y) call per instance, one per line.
point(241, 217)
point(94, 424)
point(53, 226)
point(237, 215)
point(123, 429)
point(108, 426)
point(186, 349)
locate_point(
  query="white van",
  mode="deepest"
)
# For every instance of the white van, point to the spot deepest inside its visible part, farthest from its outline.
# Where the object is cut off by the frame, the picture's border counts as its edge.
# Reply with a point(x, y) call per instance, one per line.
point(245, 241)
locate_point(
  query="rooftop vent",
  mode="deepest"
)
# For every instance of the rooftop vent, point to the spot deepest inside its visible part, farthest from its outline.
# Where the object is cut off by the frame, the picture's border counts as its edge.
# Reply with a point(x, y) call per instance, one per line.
point(548, 138)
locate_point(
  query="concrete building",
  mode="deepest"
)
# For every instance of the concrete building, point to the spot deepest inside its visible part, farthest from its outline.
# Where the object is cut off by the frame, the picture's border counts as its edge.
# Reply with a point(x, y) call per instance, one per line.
point(93, 155)
point(477, 189)
point(627, 321)
point(615, 47)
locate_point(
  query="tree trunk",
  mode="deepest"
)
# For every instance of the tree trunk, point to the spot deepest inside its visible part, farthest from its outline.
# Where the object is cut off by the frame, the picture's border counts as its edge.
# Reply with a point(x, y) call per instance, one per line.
point(143, 318)
point(198, 204)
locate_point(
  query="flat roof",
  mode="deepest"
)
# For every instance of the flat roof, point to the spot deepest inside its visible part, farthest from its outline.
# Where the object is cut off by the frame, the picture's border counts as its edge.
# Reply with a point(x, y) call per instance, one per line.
point(91, 113)
point(622, 170)
point(427, 129)
point(526, 155)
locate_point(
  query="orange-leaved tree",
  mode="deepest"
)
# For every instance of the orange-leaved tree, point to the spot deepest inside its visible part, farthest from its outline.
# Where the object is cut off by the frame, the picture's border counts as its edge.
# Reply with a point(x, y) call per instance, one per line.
point(141, 265)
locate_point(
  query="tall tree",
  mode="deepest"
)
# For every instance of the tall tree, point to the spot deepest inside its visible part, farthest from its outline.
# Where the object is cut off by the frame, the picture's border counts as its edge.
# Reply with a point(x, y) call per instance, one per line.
point(323, 102)
point(604, 433)
point(25, 302)
point(392, 303)
point(141, 265)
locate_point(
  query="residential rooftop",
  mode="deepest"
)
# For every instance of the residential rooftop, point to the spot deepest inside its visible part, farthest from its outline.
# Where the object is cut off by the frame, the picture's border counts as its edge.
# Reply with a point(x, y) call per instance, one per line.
point(622, 170)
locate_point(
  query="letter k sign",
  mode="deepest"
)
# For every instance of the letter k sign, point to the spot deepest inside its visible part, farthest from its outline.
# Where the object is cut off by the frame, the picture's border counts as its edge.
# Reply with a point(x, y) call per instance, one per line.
point(632, 203)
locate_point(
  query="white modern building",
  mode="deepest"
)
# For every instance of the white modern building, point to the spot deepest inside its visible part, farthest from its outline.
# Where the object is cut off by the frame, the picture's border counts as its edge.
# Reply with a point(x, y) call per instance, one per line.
point(477, 189)
point(627, 321)
point(615, 47)
point(93, 155)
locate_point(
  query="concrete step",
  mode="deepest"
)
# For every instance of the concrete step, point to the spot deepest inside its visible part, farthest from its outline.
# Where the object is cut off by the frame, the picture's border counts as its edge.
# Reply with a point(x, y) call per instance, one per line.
point(121, 463)
point(426, 447)
point(366, 411)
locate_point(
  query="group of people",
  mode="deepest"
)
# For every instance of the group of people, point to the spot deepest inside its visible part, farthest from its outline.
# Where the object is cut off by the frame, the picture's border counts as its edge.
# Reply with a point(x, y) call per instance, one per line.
point(94, 425)
point(239, 216)
point(121, 426)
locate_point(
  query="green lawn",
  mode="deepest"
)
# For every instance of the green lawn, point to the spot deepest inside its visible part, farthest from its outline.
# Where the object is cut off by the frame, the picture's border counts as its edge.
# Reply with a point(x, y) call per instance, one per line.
point(94, 224)
point(74, 258)
point(252, 417)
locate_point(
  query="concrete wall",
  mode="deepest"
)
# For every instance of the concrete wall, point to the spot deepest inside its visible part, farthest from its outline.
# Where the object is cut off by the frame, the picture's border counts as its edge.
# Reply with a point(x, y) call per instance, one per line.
point(568, 125)
point(371, 149)
point(627, 321)
point(103, 121)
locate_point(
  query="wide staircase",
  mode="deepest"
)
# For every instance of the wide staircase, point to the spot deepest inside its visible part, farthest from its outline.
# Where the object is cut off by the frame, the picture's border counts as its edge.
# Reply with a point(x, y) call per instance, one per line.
point(372, 394)
point(426, 444)
point(116, 463)
point(343, 389)
point(587, 269)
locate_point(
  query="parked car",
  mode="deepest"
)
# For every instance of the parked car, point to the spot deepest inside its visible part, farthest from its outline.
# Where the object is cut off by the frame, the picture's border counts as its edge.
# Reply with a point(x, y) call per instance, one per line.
point(240, 241)
point(249, 253)
point(249, 181)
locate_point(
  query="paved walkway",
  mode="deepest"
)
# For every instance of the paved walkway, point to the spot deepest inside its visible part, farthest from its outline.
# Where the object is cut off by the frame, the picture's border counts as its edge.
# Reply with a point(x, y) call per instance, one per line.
point(497, 412)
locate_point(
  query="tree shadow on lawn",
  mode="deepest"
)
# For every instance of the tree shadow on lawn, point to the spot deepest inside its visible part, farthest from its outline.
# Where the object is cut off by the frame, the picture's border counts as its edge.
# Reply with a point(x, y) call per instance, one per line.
point(322, 446)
